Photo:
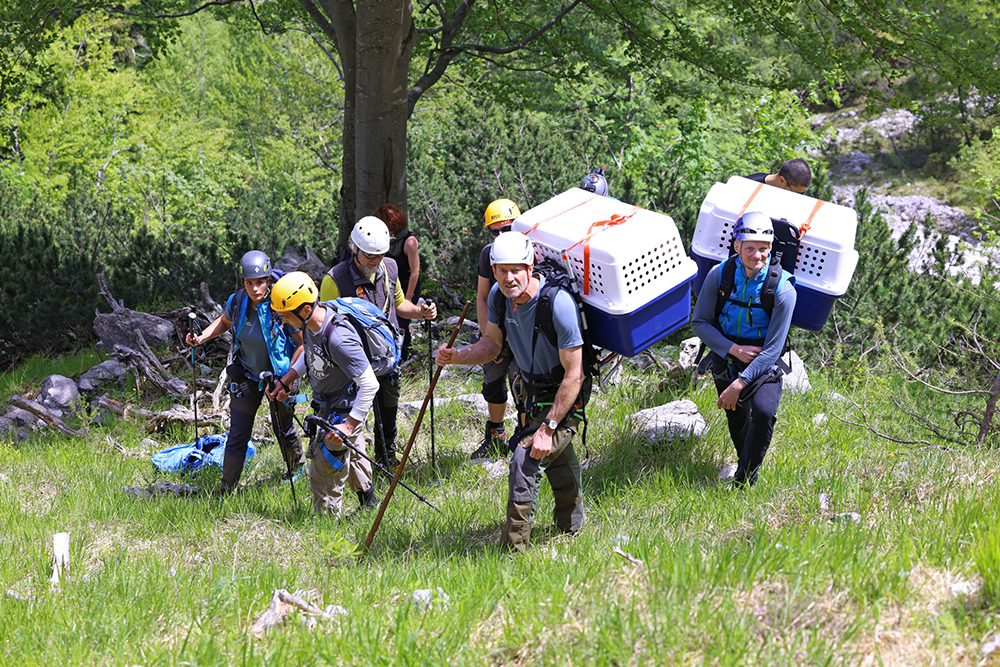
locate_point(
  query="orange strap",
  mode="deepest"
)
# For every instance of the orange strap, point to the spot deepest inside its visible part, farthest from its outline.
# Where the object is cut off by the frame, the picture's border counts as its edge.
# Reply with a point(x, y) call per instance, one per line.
point(808, 223)
point(591, 198)
point(747, 205)
point(595, 228)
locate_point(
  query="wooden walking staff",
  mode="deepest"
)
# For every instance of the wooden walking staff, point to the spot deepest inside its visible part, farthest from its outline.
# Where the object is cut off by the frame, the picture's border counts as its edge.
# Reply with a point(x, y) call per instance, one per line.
point(413, 436)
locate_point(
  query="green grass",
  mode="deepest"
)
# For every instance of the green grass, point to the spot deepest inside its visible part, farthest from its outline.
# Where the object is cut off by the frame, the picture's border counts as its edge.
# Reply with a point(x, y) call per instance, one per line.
point(761, 577)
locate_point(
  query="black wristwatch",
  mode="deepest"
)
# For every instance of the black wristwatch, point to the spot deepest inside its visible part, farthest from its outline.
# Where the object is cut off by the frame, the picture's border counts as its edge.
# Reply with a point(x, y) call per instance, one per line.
point(551, 423)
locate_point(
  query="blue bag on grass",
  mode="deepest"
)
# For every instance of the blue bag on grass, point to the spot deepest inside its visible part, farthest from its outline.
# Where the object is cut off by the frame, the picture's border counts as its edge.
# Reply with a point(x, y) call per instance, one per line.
point(208, 450)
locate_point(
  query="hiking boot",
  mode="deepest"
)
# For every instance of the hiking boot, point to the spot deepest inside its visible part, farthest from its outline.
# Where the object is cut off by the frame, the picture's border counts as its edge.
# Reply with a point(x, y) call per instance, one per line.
point(493, 444)
point(232, 470)
point(368, 499)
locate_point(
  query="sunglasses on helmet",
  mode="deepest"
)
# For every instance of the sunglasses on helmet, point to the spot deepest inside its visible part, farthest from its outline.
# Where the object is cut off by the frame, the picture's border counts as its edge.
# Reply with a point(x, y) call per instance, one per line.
point(497, 232)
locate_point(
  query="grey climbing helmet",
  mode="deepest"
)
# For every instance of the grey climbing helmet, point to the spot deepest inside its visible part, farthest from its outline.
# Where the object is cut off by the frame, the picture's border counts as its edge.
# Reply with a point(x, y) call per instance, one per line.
point(254, 264)
point(596, 182)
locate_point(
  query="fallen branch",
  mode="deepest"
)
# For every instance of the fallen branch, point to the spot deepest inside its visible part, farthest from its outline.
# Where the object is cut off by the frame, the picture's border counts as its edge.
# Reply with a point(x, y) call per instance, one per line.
point(45, 415)
point(282, 604)
point(627, 556)
point(157, 421)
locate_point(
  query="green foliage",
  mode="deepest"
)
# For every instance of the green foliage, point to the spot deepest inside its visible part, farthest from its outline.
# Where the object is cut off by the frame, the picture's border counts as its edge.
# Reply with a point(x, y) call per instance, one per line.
point(769, 576)
point(978, 165)
point(987, 557)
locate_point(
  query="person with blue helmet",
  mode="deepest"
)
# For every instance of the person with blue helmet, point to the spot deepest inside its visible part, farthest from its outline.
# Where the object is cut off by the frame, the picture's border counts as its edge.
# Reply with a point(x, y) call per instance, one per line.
point(746, 342)
point(260, 343)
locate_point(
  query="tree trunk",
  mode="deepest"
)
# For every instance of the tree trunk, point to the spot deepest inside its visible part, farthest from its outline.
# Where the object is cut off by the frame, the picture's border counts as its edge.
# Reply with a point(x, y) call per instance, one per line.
point(385, 40)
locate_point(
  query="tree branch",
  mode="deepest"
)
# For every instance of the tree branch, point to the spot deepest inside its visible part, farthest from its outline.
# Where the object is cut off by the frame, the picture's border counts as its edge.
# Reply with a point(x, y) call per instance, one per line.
point(212, 3)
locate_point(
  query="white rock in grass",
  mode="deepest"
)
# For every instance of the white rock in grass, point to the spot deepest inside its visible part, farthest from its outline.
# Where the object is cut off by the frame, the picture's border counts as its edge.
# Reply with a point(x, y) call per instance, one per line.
point(688, 352)
point(424, 598)
point(963, 588)
point(991, 646)
point(824, 502)
point(798, 380)
point(335, 610)
point(834, 397)
point(847, 517)
point(728, 472)
point(820, 418)
point(496, 469)
point(677, 419)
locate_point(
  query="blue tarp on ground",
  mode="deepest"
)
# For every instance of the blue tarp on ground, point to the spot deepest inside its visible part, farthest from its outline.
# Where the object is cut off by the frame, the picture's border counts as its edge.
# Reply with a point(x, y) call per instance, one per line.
point(209, 450)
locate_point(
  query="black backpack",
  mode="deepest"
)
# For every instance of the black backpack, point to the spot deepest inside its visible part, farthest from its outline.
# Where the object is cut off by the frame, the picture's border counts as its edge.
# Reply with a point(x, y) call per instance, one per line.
point(784, 255)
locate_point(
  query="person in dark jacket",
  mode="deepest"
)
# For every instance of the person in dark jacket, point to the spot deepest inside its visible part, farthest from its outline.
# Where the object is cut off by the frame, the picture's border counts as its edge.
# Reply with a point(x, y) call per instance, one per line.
point(794, 175)
point(404, 250)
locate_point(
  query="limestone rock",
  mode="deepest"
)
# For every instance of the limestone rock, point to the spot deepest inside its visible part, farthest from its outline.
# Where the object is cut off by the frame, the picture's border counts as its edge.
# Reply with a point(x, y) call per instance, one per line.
point(677, 419)
point(119, 327)
point(58, 393)
point(295, 260)
point(112, 369)
point(689, 352)
point(798, 380)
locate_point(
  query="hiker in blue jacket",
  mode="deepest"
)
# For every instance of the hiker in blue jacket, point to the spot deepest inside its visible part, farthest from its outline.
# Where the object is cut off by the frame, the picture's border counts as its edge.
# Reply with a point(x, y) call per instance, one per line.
point(260, 343)
point(746, 342)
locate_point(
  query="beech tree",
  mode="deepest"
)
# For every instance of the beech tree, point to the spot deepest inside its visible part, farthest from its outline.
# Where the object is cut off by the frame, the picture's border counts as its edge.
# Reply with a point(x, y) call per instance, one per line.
point(391, 52)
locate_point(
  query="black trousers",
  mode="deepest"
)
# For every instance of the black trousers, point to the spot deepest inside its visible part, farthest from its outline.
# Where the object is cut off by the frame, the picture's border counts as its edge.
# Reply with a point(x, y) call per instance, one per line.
point(387, 402)
point(245, 398)
point(751, 424)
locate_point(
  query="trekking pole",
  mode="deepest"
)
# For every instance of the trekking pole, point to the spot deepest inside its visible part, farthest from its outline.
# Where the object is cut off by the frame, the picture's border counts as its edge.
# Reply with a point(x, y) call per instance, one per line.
point(413, 435)
point(430, 378)
point(312, 420)
point(194, 377)
point(268, 378)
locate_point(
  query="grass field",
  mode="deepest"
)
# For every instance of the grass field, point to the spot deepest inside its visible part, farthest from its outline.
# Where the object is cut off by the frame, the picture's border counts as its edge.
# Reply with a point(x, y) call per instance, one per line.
point(770, 576)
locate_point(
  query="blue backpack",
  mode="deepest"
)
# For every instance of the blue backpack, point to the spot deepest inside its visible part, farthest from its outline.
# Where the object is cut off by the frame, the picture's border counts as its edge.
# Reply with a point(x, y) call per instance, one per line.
point(379, 338)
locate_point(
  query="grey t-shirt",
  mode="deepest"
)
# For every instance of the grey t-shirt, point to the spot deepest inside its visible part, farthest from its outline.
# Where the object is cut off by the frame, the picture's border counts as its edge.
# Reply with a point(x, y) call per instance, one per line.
point(520, 326)
point(334, 356)
point(252, 349)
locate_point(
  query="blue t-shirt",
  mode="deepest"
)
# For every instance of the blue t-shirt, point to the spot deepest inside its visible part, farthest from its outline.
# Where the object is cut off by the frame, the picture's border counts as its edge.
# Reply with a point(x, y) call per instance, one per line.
point(520, 327)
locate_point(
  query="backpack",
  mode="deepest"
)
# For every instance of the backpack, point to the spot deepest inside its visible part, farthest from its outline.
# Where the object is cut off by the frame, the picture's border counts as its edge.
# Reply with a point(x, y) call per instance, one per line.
point(784, 254)
point(379, 338)
point(556, 278)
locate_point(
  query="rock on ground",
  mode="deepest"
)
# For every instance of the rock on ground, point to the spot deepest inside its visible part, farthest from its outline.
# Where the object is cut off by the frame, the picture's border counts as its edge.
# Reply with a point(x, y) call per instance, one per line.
point(119, 327)
point(798, 380)
point(112, 369)
point(58, 393)
point(677, 419)
point(295, 260)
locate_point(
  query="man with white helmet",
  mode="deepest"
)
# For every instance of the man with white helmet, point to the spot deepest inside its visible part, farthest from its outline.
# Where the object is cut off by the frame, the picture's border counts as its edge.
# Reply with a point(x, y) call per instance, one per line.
point(372, 276)
point(746, 340)
point(551, 386)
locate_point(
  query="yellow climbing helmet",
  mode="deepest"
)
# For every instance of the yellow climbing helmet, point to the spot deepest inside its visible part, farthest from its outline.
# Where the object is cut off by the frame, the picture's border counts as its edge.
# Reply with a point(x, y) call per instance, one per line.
point(501, 210)
point(293, 290)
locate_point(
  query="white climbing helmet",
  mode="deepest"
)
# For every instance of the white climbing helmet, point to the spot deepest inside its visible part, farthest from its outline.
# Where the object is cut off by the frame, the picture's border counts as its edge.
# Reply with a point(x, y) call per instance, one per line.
point(512, 248)
point(754, 226)
point(370, 235)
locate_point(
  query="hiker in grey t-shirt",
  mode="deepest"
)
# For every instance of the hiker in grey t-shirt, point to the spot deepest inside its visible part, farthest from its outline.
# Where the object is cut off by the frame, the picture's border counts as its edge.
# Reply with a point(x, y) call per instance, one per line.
point(343, 385)
point(552, 385)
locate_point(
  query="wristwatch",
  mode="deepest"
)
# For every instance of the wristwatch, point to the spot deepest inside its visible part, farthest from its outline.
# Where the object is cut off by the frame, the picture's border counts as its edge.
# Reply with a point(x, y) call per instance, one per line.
point(551, 423)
